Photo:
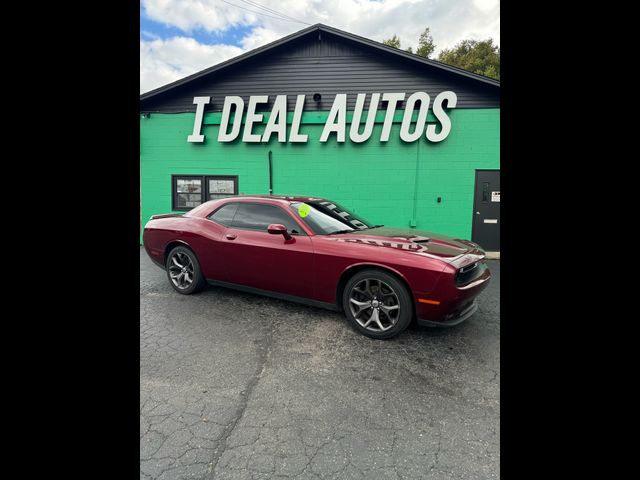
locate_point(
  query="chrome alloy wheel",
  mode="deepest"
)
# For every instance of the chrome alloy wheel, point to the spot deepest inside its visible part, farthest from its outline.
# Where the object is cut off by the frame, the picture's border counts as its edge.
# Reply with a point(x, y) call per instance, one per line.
point(181, 270)
point(374, 305)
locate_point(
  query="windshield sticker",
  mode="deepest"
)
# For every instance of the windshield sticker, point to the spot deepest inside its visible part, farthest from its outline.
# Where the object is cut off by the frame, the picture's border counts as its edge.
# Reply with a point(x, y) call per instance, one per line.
point(304, 210)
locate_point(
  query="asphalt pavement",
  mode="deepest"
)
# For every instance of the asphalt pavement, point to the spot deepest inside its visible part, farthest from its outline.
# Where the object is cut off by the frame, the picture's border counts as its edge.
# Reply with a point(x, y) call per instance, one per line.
point(239, 386)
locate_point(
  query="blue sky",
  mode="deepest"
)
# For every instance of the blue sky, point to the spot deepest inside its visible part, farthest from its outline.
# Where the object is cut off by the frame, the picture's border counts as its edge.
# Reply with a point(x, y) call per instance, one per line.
point(151, 29)
point(181, 37)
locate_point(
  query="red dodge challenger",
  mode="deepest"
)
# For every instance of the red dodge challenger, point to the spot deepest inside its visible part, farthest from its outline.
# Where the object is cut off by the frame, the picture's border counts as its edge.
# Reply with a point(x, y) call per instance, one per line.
point(313, 251)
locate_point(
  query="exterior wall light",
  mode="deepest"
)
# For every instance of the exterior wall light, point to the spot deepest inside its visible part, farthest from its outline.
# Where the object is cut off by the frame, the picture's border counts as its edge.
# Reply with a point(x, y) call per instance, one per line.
point(317, 97)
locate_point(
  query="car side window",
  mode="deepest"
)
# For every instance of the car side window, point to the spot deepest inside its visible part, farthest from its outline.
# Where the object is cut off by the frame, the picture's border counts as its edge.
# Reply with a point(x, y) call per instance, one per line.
point(255, 216)
point(224, 215)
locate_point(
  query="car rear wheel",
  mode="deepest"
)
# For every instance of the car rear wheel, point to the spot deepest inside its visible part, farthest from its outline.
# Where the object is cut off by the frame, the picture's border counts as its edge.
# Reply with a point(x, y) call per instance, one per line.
point(377, 304)
point(183, 271)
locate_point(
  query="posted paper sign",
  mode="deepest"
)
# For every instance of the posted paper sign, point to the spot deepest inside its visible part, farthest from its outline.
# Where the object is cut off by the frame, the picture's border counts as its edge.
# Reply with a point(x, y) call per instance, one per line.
point(495, 196)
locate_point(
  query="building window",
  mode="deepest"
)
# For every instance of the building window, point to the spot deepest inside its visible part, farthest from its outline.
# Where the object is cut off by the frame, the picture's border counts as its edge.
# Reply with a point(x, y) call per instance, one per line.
point(220, 187)
point(189, 191)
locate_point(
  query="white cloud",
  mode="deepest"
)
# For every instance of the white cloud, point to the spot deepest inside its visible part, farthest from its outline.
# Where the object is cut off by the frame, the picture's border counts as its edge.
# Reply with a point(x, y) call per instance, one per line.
point(485, 4)
point(263, 35)
point(212, 15)
point(449, 20)
point(164, 61)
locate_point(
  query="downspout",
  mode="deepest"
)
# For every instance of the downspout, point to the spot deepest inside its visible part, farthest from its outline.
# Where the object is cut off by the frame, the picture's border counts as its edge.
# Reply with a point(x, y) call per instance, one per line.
point(414, 222)
point(270, 175)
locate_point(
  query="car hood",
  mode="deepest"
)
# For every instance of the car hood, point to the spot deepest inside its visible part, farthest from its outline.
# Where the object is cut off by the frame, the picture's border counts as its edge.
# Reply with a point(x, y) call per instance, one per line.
point(449, 249)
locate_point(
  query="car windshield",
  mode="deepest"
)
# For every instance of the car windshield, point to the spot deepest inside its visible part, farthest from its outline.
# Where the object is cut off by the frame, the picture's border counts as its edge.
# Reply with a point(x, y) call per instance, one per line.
point(325, 217)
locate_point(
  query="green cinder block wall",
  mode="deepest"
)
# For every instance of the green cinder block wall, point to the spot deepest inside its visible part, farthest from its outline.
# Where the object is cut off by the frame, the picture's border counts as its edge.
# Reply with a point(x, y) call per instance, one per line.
point(388, 183)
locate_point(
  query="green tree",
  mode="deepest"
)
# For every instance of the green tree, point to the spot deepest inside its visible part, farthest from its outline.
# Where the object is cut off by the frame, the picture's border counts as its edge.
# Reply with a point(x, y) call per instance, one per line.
point(425, 44)
point(392, 42)
point(409, 49)
point(477, 56)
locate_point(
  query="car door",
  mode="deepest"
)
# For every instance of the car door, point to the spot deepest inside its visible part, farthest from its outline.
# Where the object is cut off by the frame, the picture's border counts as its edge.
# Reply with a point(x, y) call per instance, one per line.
point(210, 246)
point(258, 259)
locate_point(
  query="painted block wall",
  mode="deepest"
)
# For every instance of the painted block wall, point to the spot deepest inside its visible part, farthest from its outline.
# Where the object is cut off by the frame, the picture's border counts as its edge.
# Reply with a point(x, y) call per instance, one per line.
point(388, 183)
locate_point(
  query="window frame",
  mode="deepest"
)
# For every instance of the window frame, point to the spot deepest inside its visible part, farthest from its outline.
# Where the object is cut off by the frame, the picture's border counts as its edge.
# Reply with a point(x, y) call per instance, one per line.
point(204, 188)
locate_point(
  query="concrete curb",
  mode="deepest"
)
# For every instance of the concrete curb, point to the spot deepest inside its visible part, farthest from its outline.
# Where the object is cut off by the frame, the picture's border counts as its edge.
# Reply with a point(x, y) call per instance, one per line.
point(493, 255)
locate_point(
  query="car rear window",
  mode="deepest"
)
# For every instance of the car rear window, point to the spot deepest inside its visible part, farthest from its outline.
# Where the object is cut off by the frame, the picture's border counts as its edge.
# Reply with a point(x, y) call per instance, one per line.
point(224, 215)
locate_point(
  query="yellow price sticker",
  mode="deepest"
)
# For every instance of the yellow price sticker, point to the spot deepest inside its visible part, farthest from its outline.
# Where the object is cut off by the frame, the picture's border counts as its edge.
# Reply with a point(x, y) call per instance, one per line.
point(304, 210)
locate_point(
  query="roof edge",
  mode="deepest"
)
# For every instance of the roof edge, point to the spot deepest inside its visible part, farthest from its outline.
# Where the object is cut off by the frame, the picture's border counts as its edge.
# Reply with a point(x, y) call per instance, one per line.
point(331, 30)
point(409, 56)
point(231, 61)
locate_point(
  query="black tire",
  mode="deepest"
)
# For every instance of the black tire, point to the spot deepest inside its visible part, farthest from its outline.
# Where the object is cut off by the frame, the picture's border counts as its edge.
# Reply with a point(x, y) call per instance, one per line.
point(181, 266)
point(382, 303)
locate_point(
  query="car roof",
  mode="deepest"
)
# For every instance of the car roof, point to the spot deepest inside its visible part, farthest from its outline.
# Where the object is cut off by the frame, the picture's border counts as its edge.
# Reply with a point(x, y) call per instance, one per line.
point(204, 209)
point(287, 198)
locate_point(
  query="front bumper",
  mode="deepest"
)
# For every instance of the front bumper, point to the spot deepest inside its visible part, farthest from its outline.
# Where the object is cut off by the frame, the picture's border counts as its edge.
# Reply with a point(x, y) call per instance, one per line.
point(460, 317)
point(456, 302)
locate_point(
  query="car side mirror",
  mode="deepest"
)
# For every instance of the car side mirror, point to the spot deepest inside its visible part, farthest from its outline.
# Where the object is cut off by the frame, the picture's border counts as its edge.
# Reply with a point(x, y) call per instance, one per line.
point(278, 229)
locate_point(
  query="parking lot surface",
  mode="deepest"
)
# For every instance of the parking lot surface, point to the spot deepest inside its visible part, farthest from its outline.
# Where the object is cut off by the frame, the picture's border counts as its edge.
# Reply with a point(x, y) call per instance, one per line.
point(238, 386)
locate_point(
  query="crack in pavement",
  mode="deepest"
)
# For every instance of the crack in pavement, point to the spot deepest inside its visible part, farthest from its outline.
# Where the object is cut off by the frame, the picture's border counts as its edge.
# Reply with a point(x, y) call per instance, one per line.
point(264, 352)
point(436, 459)
point(236, 387)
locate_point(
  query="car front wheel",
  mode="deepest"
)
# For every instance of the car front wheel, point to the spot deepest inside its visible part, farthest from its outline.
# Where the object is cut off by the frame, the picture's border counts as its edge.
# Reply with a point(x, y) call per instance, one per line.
point(377, 304)
point(183, 271)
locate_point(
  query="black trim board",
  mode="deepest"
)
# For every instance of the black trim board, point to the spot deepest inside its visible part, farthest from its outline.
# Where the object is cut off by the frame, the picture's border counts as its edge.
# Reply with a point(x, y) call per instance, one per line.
point(279, 296)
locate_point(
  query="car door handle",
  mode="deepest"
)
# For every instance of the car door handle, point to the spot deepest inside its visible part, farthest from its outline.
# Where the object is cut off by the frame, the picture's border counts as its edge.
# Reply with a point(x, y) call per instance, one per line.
point(230, 236)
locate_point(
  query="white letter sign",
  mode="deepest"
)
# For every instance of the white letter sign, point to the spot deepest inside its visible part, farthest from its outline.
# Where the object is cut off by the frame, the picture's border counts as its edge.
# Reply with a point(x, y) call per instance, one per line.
point(408, 113)
point(442, 117)
point(392, 101)
point(339, 110)
point(253, 117)
point(294, 136)
point(200, 102)
point(279, 113)
point(336, 119)
point(223, 136)
point(357, 116)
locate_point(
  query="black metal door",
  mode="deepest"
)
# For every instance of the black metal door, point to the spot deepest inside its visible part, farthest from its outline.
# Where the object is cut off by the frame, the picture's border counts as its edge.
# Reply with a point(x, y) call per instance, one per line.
point(486, 210)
